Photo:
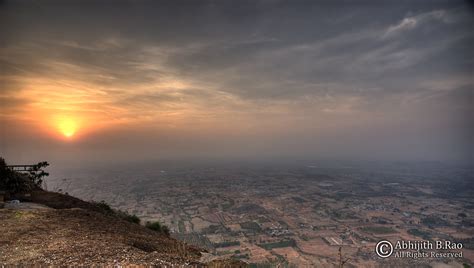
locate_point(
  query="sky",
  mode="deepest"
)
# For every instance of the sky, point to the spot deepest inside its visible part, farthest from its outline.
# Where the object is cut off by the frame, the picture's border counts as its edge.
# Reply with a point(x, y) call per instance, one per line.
point(111, 81)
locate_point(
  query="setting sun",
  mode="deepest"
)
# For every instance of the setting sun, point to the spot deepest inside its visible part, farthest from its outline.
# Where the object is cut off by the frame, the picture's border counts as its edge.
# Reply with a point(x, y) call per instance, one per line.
point(67, 126)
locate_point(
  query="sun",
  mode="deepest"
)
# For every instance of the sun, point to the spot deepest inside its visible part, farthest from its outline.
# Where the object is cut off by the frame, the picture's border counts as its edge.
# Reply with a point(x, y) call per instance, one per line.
point(67, 126)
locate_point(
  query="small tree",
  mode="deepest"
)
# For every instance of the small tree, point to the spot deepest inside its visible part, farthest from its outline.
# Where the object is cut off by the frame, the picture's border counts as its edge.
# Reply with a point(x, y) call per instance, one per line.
point(16, 182)
point(11, 181)
point(36, 173)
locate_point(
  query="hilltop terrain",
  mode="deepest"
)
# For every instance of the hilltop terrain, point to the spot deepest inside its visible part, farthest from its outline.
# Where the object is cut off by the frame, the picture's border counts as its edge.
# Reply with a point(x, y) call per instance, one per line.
point(61, 230)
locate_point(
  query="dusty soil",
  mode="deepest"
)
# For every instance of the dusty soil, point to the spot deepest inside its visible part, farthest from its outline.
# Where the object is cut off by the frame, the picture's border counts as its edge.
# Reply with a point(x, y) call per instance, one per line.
point(53, 229)
point(82, 237)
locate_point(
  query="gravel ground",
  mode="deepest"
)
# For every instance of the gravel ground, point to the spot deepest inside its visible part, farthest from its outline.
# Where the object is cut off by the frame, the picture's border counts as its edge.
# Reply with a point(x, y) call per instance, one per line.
point(33, 234)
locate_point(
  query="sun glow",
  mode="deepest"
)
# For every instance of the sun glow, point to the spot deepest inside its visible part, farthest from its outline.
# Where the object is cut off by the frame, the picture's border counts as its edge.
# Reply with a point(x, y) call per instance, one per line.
point(67, 126)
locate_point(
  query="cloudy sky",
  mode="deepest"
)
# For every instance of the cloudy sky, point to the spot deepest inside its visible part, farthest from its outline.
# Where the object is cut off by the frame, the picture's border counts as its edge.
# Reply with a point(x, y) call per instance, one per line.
point(143, 80)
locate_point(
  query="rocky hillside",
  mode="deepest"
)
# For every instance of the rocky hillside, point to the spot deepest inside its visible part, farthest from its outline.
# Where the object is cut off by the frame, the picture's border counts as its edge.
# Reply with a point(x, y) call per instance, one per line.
point(56, 229)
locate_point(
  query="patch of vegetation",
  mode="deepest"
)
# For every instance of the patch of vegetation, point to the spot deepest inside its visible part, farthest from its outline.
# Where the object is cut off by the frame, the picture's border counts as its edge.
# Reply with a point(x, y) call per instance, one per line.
point(158, 227)
point(279, 244)
point(227, 205)
point(181, 227)
point(378, 230)
point(129, 217)
point(250, 225)
point(16, 182)
point(341, 214)
point(469, 206)
point(36, 173)
point(304, 237)
point(106, 209)
point(423, 234)
point(262, 219)
point(433, 221)
point(298, 199)
point(241, 256)
point(250, 209)
point(467, 222)
point(468, 243)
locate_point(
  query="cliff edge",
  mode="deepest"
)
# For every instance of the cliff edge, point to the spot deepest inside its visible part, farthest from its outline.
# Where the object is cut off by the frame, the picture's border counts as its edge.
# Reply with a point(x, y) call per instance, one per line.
point(56, 229)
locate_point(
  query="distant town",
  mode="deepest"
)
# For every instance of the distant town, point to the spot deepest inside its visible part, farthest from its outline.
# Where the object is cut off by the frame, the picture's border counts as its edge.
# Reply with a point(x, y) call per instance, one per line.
point(295, 215)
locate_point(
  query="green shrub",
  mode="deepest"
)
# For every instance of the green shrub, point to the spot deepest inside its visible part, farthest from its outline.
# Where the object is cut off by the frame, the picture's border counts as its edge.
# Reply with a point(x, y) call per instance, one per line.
point(155, 226)
point(158, 227)
point(132, 218)
point(165, 230)
point(106, 209)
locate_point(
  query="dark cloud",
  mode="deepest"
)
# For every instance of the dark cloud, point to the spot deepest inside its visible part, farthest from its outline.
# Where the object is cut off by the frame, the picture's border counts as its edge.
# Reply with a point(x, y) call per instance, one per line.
point(372, 67)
